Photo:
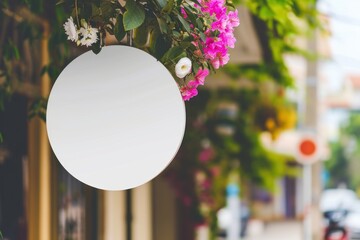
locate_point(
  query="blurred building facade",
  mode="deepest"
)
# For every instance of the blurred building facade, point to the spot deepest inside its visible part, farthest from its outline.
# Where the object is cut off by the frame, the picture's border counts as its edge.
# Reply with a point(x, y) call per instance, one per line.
point(39, 200)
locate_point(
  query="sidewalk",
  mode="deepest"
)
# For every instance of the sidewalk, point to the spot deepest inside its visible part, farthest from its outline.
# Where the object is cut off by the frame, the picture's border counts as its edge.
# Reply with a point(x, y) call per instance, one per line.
point(291, 230)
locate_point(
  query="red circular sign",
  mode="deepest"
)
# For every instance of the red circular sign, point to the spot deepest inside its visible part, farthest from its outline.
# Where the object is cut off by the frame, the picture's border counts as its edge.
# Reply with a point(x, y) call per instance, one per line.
point(307, 147)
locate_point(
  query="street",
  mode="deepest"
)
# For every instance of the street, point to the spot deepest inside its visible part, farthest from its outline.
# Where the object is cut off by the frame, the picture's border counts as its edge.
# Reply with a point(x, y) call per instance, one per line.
point(280, 231)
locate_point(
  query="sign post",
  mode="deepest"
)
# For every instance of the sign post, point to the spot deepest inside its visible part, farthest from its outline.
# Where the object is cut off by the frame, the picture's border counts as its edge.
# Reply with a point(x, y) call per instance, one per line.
point(307, 155)
point(233, 205)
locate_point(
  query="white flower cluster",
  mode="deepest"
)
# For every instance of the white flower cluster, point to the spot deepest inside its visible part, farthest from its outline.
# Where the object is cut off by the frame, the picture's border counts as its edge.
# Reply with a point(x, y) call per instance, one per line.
point(85, 36)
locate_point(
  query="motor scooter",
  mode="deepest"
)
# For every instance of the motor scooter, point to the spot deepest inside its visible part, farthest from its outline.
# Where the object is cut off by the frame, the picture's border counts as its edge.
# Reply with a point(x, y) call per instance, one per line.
point(336, 229)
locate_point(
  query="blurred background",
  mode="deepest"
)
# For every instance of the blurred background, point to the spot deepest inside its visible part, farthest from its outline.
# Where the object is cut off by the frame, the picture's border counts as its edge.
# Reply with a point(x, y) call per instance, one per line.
point(240, 172)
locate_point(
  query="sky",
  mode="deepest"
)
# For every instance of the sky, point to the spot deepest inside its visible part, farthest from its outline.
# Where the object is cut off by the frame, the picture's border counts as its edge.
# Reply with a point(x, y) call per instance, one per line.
point(345, 27)
point(345, 52)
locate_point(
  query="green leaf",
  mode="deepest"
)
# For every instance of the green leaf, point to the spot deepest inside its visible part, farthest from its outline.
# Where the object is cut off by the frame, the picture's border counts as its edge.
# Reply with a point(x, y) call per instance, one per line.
point(231, 5)
point(199, 24)
point(57, 3)
point(11, 51)
point(266, 13)
point(158, 44)
point(168, 7)
point(141, 35)
point(191, 16)
point(134, 16)
point(163, 26)
point(1, 140)
point(195, 66)
point(191, 2)
point(119, 30)
point(95, 10)
point(202, 36)
point(173, 54)
point(236, 2)
point(162, 3)
point(185, 24)
point(176, 34)
point(16, 53)
point(107, 9)
point(186, 44)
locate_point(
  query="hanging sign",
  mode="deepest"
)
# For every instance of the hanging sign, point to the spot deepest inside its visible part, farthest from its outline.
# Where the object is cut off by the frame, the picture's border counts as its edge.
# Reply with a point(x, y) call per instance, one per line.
point(115, 120)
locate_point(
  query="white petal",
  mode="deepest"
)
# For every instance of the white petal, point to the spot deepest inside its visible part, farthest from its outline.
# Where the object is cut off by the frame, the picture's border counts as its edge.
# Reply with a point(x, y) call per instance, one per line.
point(180, 74)
point(71, 30)
point(183, 67)
point(89, 36)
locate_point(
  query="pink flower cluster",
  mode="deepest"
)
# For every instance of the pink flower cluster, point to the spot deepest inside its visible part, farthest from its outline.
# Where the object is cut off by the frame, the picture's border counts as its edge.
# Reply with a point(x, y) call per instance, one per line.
point(216, 47)
point(206, 155)
point(219, 38)
point(190, 89)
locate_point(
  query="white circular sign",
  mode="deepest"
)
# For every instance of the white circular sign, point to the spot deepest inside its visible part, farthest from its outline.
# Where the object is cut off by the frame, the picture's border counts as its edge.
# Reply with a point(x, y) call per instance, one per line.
point(115, 120)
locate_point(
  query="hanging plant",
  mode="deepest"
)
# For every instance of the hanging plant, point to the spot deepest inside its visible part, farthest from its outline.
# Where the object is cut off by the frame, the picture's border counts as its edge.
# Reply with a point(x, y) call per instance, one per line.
point(275, 117)
point(191, 38)
point(222, 143)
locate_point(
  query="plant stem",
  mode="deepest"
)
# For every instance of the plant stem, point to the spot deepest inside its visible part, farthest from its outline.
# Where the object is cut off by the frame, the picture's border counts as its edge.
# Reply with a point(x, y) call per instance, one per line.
point(77, 13)
point(129, 38)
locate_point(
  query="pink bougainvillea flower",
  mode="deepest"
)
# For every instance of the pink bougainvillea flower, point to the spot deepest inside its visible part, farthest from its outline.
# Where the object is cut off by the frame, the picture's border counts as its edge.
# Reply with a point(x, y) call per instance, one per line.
point(213, 48)
point(214, 7)
point(228, 38)
point(219, 37)
point(201, 75)
point(183, 13)
point(221, 24)
point(206, 184)
point(220, 61)
point(195, 43)
point(206, 155)
point(188, 92)
point(234, 18)
point(224, 23)
point(193, 84)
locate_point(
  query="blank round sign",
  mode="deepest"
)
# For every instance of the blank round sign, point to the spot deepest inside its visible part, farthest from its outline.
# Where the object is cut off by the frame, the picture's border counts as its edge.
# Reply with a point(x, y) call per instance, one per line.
point(115, 120)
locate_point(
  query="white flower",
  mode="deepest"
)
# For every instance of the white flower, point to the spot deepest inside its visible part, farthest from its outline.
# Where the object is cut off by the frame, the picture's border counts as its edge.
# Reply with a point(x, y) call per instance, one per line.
point(70, 30)
point(183, 67)
point(89, 35)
